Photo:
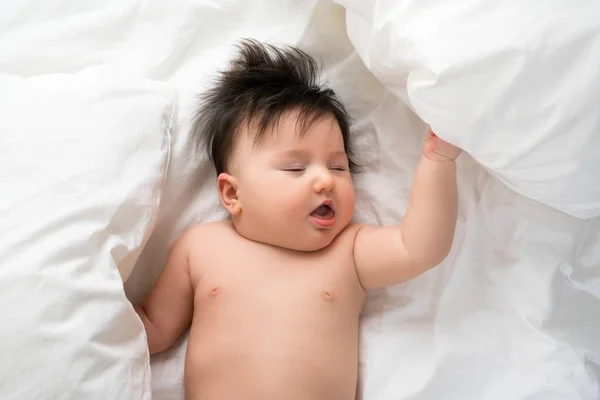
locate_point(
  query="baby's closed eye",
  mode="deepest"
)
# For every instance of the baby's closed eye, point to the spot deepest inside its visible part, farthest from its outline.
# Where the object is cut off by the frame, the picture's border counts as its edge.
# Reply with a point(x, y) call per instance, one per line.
point(295, 168)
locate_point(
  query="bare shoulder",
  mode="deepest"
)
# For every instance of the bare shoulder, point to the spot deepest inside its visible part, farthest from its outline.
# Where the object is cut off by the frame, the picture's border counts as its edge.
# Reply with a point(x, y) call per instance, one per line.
point(207, 229)
point(203, 244)
point(348, 235)
point(203, 236)
point(344, 242)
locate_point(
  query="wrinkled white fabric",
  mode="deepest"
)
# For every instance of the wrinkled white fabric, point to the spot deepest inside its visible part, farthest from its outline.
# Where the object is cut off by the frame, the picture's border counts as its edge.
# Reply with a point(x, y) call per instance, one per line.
point(82, 166)
point(516, 84)
point(510, 315)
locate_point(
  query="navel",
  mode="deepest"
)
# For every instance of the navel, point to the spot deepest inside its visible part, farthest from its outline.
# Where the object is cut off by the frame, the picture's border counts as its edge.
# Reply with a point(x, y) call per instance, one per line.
point(327, 295)
point(214, 292)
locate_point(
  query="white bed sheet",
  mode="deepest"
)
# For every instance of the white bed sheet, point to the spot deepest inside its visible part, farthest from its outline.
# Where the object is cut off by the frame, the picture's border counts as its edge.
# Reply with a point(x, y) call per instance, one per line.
point(512, 314)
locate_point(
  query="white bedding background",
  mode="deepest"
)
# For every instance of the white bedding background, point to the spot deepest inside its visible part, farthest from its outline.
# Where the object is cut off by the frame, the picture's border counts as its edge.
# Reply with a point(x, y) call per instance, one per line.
point(82, 166)
point(514, 311)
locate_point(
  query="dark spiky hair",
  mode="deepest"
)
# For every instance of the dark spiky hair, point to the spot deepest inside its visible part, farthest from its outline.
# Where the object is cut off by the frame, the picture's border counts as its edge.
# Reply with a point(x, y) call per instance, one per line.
point(261, 84)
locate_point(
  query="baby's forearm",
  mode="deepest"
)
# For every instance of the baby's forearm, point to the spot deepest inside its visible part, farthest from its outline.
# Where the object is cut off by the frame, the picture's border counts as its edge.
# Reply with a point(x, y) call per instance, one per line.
point(156, 342)
point(428, 227)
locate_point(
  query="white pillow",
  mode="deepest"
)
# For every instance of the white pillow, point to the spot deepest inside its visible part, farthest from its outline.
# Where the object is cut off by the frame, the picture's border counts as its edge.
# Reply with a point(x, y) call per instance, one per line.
point(516, 84)
point(82, 164)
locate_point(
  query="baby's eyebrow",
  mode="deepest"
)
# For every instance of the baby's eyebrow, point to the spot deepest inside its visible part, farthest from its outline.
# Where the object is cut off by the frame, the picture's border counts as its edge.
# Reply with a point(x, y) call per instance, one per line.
point(293, 153)
point(301, 153)
point(339, 153)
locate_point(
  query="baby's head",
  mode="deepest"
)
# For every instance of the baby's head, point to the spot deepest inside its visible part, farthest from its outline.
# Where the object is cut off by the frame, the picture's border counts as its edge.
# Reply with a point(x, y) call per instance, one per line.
point(281, 147)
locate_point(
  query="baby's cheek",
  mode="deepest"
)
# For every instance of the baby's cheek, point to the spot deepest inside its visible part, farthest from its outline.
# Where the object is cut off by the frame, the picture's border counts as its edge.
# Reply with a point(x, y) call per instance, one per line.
point(279, 201)
point(298, 205)
point(292, 207)
point(346, 193)
point(348, 201)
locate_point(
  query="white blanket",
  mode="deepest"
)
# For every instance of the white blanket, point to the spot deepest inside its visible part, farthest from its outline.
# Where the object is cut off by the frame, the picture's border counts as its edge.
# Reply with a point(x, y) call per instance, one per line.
point(514, 311)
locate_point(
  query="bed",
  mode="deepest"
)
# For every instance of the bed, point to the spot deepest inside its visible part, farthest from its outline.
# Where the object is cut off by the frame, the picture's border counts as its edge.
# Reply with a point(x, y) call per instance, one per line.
point(99, 176)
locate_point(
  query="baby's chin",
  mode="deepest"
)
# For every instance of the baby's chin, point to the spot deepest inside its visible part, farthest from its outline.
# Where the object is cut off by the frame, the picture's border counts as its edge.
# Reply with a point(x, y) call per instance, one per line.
point(315, 241)
point(310, 247)
point(302, 239)
point(309, 243)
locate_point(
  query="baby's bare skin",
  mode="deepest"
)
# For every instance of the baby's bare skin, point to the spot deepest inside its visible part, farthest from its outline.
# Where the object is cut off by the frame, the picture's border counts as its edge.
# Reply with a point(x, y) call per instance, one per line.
point(274, 296)
point(270, 323)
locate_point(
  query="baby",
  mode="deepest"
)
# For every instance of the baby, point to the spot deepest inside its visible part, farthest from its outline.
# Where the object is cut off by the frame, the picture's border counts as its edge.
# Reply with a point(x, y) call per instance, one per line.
point(273, 294)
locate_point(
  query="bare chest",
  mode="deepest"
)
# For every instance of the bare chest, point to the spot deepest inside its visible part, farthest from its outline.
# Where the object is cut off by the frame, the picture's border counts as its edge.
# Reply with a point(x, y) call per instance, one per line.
point(271, 279)
point(274, 320)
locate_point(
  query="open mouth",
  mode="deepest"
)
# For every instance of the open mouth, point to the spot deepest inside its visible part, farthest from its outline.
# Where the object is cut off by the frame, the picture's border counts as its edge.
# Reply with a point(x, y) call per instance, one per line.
point(324, 215)
point(324, 211)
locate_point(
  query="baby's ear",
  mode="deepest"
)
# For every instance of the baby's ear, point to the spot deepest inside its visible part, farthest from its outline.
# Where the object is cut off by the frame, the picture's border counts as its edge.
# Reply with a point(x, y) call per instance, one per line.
point(228, 187)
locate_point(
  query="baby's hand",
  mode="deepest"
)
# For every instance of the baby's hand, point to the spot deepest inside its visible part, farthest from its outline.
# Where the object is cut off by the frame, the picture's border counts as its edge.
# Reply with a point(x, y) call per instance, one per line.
point(437, 149)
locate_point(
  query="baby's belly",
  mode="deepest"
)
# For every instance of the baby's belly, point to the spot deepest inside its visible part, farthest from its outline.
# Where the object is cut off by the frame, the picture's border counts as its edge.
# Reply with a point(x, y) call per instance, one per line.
point(252, 351)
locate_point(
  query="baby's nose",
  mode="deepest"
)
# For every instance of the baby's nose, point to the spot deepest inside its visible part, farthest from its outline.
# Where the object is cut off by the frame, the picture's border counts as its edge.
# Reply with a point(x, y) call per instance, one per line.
point(324, 182)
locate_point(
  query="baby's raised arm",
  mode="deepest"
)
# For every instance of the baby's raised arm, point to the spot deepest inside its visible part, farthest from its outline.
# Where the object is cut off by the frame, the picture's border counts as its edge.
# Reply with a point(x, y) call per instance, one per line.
point(391, 255)
point(168, 308)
